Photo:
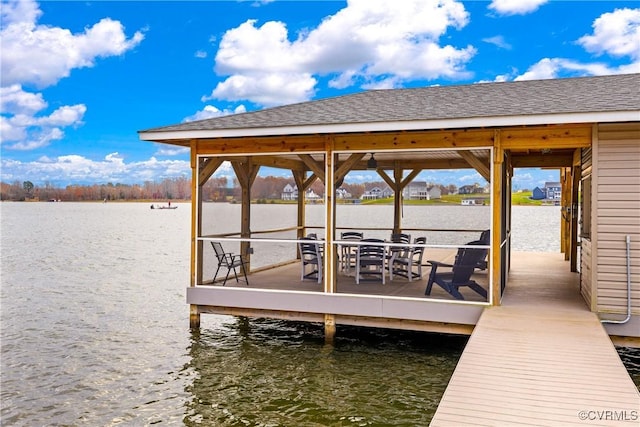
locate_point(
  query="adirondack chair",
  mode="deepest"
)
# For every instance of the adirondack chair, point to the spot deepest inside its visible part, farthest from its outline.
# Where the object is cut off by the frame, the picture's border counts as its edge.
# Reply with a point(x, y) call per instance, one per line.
point(460, 272)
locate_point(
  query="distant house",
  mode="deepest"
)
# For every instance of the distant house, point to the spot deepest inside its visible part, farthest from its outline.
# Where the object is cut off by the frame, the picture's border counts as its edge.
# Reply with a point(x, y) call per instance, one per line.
point(311, 195)
point(470, 189)
point(553, 190)
point(421, 190)
point(538, 194)
point(341, 193)
point(377, 193)
point(289, 192)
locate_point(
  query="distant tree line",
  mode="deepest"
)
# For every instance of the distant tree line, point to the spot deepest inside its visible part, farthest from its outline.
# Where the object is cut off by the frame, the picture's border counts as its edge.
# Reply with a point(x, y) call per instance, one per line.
point(215, 190)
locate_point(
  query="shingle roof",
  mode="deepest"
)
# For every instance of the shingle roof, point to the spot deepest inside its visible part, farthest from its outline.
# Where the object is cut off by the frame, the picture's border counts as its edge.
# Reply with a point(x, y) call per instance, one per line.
point(521, 98)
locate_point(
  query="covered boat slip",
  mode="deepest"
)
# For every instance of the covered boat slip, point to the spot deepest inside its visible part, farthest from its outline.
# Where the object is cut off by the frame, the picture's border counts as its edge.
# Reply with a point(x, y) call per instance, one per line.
point(397, 162)
point(584, 127)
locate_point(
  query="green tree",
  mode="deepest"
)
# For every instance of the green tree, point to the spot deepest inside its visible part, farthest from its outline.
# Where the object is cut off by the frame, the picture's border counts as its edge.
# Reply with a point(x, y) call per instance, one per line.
point(28, 187)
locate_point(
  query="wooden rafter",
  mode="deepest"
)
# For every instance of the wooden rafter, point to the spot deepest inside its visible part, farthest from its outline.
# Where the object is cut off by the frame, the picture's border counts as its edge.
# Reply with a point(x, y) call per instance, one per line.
point(209, 167)
point(483, 169)
point(316, 167)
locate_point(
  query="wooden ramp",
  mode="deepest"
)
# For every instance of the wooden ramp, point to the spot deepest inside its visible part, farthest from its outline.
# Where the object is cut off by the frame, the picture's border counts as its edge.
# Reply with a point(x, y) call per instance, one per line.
point(540, 359)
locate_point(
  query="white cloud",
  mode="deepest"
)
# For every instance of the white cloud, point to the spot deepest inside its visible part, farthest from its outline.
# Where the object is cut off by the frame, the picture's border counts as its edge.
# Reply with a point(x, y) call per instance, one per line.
point(210, 111)
point(200, 54)
point(20, 126)
point(516, 7)
point(41, 55)
point(81, 170)
point(170, 150)
point(616, 34)
point(498, 41)
point(14, 100)
point(373, 43)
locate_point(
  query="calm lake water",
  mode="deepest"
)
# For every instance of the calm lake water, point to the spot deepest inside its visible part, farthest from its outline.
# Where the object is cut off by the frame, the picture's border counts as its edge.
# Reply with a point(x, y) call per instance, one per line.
point(95, 330)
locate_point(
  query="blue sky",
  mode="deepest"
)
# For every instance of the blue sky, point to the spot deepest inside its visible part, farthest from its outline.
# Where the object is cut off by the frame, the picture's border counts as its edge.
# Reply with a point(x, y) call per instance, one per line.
point(80, 78)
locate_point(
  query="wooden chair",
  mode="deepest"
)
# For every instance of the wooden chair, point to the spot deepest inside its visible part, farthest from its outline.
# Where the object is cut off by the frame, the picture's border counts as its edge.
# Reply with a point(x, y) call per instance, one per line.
point(460, 273)
point(311, 255)
point(230, 261)
point(411, 258)
point(370, 259)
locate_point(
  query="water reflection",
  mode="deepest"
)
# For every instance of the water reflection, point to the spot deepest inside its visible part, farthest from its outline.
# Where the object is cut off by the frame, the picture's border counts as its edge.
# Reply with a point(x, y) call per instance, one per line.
point(276, 373)
point(631, 359)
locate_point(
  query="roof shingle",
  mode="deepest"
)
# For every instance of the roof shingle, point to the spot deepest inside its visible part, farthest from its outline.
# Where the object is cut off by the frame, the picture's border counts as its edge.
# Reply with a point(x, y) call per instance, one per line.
point(520, 98)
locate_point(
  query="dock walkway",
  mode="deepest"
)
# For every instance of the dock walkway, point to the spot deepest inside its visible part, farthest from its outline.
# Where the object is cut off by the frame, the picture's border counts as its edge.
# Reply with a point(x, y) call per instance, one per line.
point(540, 359)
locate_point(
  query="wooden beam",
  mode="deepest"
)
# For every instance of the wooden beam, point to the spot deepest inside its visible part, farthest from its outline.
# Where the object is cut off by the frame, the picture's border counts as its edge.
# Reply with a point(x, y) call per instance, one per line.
point(413, 140)
point(208, 168)
point(316, 167)
point(266, 145)
point(546, 137)
point(483, 169)
point(346, 166)
point(551, 160)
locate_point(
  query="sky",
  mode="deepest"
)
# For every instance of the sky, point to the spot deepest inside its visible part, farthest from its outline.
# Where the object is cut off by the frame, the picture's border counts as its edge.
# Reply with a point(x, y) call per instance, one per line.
point(79, 79)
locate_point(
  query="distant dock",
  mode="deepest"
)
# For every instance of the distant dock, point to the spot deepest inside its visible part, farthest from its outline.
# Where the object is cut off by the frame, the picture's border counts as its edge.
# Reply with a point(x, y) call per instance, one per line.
point(540, 359)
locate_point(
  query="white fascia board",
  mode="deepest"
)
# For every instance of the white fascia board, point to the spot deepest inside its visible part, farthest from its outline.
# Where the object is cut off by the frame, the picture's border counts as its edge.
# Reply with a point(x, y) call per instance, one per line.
point(461, 123)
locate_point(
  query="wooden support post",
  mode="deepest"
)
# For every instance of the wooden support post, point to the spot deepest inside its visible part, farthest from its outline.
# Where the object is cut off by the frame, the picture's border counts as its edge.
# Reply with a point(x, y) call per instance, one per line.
point(194, 317)
point(574, 217)
point(246, 173)
point(329, 328)
point(330, 260)
point(496, 235)
point(299, 178)
point(193, 280)
point(397, 199)
point(195, 266)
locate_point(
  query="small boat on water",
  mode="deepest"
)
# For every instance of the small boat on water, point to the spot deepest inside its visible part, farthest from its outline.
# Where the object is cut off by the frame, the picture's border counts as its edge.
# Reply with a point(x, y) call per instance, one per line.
point(163, 207)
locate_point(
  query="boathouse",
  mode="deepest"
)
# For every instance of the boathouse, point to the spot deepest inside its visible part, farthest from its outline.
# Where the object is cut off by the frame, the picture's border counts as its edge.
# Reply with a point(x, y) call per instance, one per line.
point(588, 128)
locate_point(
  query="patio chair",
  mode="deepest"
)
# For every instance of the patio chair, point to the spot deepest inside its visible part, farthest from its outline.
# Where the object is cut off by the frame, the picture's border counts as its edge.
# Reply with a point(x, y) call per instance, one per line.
point(403, 240)
point(230, 261)
point(460, 273)
point(404, 264)
point(310, 255)
point(348, 252)
point(370, 259)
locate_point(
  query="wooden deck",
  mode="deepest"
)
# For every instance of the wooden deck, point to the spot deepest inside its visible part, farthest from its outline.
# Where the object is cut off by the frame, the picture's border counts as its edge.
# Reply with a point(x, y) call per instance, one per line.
point(540, 359)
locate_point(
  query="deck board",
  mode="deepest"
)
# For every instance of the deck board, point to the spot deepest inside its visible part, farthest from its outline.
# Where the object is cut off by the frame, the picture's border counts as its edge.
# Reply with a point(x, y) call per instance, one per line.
point(539, 359)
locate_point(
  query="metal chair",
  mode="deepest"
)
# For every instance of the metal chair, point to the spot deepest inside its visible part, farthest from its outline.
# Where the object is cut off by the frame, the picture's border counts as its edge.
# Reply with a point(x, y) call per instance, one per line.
point(230, 261)
point(460, 274)
point(311, 255)
point(370, 259)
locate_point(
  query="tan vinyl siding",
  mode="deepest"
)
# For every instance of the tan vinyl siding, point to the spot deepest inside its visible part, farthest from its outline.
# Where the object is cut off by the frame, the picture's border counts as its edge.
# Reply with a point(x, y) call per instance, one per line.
point(616, 193)
point(586, 276)
point(586, 282)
